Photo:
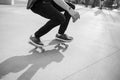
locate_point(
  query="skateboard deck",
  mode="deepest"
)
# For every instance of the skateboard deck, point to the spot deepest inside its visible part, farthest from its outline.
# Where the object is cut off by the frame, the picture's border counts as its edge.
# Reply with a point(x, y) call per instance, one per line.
point(54, 42)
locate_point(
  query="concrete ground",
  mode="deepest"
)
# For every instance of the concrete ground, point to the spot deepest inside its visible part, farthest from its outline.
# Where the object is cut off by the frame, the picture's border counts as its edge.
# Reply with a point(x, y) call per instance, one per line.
point(94, 54)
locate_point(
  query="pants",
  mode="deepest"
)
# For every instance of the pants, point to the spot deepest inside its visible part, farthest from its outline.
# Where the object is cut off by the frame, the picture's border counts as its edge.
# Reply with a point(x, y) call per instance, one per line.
point(52, 11)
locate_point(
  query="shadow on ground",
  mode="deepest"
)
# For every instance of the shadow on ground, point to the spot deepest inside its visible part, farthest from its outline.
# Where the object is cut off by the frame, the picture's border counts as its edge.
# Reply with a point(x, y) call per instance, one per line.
point(36, 60)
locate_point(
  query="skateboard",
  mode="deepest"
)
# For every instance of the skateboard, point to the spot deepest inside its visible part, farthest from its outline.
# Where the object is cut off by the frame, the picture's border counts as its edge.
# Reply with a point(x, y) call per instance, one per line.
point(56, 43)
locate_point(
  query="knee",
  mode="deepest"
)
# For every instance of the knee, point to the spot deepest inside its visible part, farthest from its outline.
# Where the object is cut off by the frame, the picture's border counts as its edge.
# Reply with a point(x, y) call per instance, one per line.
point(62, 20)
point(59, 20)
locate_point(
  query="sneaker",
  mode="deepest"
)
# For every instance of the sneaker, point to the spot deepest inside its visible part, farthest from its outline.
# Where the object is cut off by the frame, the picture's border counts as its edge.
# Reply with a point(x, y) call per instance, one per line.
point(36, 41)
point(64, 37)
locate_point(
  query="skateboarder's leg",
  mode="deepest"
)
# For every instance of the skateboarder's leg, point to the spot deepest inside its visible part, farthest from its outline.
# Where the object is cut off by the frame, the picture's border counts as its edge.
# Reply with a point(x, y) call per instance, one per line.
point(50, 12)
point(63, 26)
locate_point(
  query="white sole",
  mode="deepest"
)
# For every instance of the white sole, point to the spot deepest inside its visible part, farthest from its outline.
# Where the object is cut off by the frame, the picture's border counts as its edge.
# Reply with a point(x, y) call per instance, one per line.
point(64, 40)
point(35, 44)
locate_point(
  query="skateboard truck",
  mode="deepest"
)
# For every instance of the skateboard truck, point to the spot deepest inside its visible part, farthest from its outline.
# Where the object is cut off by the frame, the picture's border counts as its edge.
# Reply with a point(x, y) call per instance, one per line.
point(60, 47)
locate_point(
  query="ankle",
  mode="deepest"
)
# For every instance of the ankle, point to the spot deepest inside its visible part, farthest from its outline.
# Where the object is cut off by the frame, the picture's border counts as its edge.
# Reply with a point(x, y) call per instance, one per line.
point(37, 37)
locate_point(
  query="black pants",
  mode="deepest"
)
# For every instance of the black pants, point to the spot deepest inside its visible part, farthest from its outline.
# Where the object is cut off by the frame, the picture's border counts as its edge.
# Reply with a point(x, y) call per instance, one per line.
point(52, 11)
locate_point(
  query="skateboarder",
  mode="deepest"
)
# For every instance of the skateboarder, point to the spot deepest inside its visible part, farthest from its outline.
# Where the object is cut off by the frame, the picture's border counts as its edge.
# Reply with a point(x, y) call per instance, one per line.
point(51, 9)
